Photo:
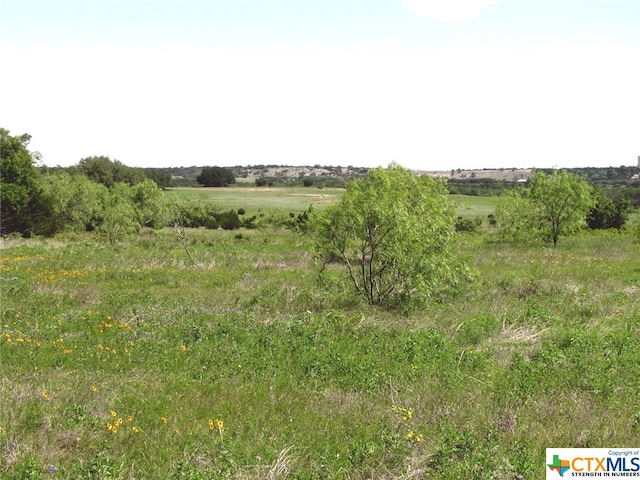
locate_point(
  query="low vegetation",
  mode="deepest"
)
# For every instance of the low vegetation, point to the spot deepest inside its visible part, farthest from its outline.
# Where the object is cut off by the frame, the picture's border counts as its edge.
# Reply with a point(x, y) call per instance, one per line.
point(136, 345)
point(132, 361)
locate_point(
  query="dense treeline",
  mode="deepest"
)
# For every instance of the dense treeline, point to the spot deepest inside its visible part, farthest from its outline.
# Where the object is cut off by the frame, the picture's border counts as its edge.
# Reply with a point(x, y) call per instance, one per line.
point(107, 196)
point(101, 195)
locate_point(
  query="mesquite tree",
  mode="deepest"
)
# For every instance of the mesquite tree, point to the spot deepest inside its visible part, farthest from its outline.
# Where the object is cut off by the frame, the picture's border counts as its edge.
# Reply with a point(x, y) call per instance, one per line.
point(394, 233)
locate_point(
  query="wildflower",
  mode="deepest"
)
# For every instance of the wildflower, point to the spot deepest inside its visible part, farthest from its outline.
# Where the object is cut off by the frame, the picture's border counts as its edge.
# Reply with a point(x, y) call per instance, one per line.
point(183, 347)
point(220, 425)
point(164, 419)
point(410, 435)
point(45, 394)
point(211, 424)
point(134, 429)
point(118, 422)
point(129, 418)
point(94, 388)
point(113, 413)
point(1, 429)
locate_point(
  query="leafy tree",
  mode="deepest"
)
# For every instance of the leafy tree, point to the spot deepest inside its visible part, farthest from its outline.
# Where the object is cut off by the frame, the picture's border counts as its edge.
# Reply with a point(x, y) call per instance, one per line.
point(553, 205)
point(228, 220)
point(74, 202)
point(216, 177)
point(102, 170)
point(150, 204)
point(562, 201)
point(608, 212)
point(20, 189)
point(120, 217)
point(394, 233)
point(162, 179)
point(514, 215)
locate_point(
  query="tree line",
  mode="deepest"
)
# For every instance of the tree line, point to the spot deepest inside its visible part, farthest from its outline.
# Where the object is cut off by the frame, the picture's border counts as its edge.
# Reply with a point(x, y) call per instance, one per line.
point(98, 195)
point(395, 234)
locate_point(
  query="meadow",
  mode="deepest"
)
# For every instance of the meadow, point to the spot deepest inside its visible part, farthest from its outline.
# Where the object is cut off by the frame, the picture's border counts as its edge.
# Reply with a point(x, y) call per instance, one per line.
point(132, 361)
point(254, 200)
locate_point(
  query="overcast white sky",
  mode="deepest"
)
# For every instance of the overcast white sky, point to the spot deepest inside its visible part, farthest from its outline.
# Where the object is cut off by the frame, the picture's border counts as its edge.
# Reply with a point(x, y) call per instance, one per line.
point(430, 84)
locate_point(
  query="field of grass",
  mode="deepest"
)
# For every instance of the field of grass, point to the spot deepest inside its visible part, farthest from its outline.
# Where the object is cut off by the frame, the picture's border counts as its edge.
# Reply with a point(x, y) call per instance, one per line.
point(259, 200)
point(471, 207)
point(127, 361)
point(297, 199)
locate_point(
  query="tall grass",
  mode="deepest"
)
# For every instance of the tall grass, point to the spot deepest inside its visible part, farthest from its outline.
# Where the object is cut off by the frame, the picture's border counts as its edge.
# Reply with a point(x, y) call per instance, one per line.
point(130, 362)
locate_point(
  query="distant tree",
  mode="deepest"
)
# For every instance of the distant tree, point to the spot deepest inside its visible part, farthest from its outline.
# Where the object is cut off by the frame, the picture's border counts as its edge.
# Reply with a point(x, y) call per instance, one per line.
point(261, 182)
point(102, 170)
point(608, 212)
point(20, 188)
point(394, 234)
point(216, 177)
point(562, 201)
point(553, 205)
point(307, 182)
point(162, 179)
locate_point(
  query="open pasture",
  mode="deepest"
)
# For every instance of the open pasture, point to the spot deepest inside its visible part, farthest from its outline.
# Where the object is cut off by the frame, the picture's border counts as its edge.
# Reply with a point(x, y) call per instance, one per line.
point(128, 361)
point(256, 200)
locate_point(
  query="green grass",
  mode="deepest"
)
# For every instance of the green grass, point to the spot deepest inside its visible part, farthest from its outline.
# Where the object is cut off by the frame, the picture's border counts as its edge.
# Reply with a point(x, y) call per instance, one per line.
point(471, 206)
point(256, 200)
point(541, 351)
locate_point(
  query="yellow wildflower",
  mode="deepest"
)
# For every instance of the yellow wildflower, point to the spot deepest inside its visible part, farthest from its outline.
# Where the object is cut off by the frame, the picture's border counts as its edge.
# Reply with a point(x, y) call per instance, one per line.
point(45, 394)
point(134, 429)
point(220, 425)
point(164, 419)
point(94, 388)
point(113, 413)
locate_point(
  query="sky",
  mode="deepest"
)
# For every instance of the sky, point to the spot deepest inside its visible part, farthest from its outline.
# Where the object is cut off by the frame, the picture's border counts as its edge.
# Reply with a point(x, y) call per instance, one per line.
point(428, 84)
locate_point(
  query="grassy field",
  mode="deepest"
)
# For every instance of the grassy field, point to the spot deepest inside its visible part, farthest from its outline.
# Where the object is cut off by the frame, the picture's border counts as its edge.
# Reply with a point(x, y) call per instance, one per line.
point(297, 199)
point(130, 362)
point(259, 200)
